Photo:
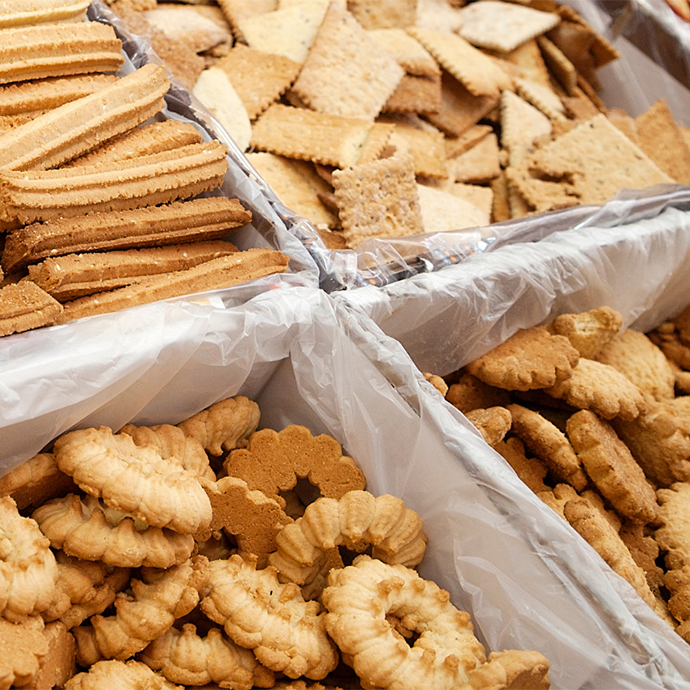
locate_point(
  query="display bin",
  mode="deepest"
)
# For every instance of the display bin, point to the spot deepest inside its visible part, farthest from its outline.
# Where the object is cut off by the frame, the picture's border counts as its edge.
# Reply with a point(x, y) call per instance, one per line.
point(306, 358)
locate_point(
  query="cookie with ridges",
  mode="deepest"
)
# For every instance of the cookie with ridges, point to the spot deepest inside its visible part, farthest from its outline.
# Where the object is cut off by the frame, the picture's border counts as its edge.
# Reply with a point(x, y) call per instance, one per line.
point(610, 465)
point(602, 389)
point(104, 675)
point(530, 470)
point(24, 647)
point(639, 359)
point(529, 359)
point(549, 444)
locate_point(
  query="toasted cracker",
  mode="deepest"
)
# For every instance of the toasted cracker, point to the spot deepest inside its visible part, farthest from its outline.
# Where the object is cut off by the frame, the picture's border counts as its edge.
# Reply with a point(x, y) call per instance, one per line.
point(258, 78)
point(538, 195)
point(444, 212)
point(411, 55)
point(384, 14)
point(625, 123)
point(290, 32)
point(661, 139)
point(595, 160)
point(521, 125)
point(558, 64)
point(579, 107)
point(459, 109)
point(542, 97)
point(426, 147)
point(296, 184)
point(600, 48)
point(503, 26)
point(24, 306)
point(378, 199)
point(500, 209)
point(529, 59)
point(306, 135)
point(590, 91)
point(236, 10)
point(214, 90)
point(457, 145)
point(477, 72)
point(415, 94)
point(347, 73)
point(479, 164)
point(518, 206)
point(376, 141)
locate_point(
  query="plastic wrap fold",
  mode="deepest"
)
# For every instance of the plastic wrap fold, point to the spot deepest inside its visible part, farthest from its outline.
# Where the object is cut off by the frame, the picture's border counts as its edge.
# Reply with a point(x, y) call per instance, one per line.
point(525, 576)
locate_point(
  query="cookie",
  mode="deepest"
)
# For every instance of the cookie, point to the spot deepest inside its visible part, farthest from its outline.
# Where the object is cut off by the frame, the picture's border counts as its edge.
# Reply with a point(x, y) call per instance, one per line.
point(588, 331)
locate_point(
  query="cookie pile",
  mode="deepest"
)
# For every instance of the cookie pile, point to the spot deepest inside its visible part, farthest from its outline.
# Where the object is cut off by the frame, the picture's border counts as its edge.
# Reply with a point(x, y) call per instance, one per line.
point(385, 119)
point(210, 553)
point(100, 209)
point(596, 422)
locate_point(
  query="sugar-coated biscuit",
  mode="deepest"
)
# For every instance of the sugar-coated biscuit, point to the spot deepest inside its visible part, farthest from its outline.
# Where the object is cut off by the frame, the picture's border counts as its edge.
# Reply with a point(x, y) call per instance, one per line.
point(532, 358)
point(610, 465)
point(588, 331)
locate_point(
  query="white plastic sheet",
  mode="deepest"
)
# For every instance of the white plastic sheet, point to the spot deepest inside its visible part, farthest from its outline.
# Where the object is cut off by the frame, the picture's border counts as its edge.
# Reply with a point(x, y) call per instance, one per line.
point(527, 579)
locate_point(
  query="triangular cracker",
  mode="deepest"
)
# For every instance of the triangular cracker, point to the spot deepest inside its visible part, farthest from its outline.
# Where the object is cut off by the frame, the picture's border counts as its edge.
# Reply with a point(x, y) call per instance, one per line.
point(479, 74)
point(415, 94)
point(426, 147)
point(529, 59)
point(481, 197)
point(457, 145)
point(347, 73)
point(534, 195)
point(296, 184)
point(479, 164)
point(444, 212)
point(236, 10)
point(411, 55)
point(521, 125)
point(375, 143)
point(384, 14)
point(258, 78)
point(558, 63)
point(503, 26)
point(662, 140)
point(542, 97)
point(378, 199)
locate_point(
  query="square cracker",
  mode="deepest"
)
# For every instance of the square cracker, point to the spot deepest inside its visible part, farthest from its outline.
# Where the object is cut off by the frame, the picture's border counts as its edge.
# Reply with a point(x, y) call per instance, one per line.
point(459, 109)
point(307, 135)
point(457, 145)
point(529, 59)
point(558, 63)
point(481, 197)
point(542, 97)
point(236, 10)
point(296, 184)
point(258, 78)
point(662, 140)
point(378, 199)
point(521, 125)
point(289, 32)
point(438, 15)
point(480, 75)
point(594, 161)
point(503, 26)
point(445, 212)
point(384, 14)
point(479, 164)
point(426, 146)
point(347, 72)
point(415, 94)
point(411, 55)
point(375, 143)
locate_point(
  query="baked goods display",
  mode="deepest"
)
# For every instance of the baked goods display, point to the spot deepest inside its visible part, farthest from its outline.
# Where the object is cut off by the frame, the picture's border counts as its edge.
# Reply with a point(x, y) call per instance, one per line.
point(390, 120)
point(145, 573)
point(598, 426)
point(85, 170)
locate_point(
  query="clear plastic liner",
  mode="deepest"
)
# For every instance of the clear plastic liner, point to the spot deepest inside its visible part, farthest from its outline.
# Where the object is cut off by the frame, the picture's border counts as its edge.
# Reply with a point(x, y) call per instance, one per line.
point(267, 228)
point(526, 577)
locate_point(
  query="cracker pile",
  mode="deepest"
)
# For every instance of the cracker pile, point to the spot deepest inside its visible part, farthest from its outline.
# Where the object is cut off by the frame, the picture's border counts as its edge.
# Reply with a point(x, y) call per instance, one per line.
point(212, 554)
point(389, 119)
point(100, 206)
point(596, 422)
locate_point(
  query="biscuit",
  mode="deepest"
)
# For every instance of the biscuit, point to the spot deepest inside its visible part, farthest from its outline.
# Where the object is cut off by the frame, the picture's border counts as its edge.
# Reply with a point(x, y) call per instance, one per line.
point(529, 359)
point(470, 393)
point(274, 461)
point(645, 551)
point(122, 674)
point(549, 444)
point(25, 648)
point(493, 423)
point(672, 535)
point(602, 389)
point(531, 471)
point(24, 306)
point(640, 360)
point(588, 331)
point(610, 465)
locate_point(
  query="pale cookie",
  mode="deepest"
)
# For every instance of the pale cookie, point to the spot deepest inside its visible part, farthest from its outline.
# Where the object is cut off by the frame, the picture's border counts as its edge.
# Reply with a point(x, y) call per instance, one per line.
point(104, 675)
point(529, 359)
point(659, 440)
point(640, 360)
point(602, 389)
point(287, 634)
point(493, 423)
point(58, 666)
point(590, 525)
point(24, 647)
point(549, 444)
point(588, 331)
point(531, 471)
point(611, 466)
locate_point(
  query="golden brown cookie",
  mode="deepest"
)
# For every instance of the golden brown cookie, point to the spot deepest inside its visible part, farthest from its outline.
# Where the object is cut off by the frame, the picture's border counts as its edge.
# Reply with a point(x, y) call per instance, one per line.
point(602, 389)
point(274, 461)
point(493, 423)
point(588, 331)
point(549, 444)
point(673, 534)
point(659, 440)
point(469, 393)
point(24, 648)
point(668, 337)
point(612, 468)
point(645, 551)
point(557, 497)
point(530, 470)
point(640, 360)
point(589, 524)
point(532, 358)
